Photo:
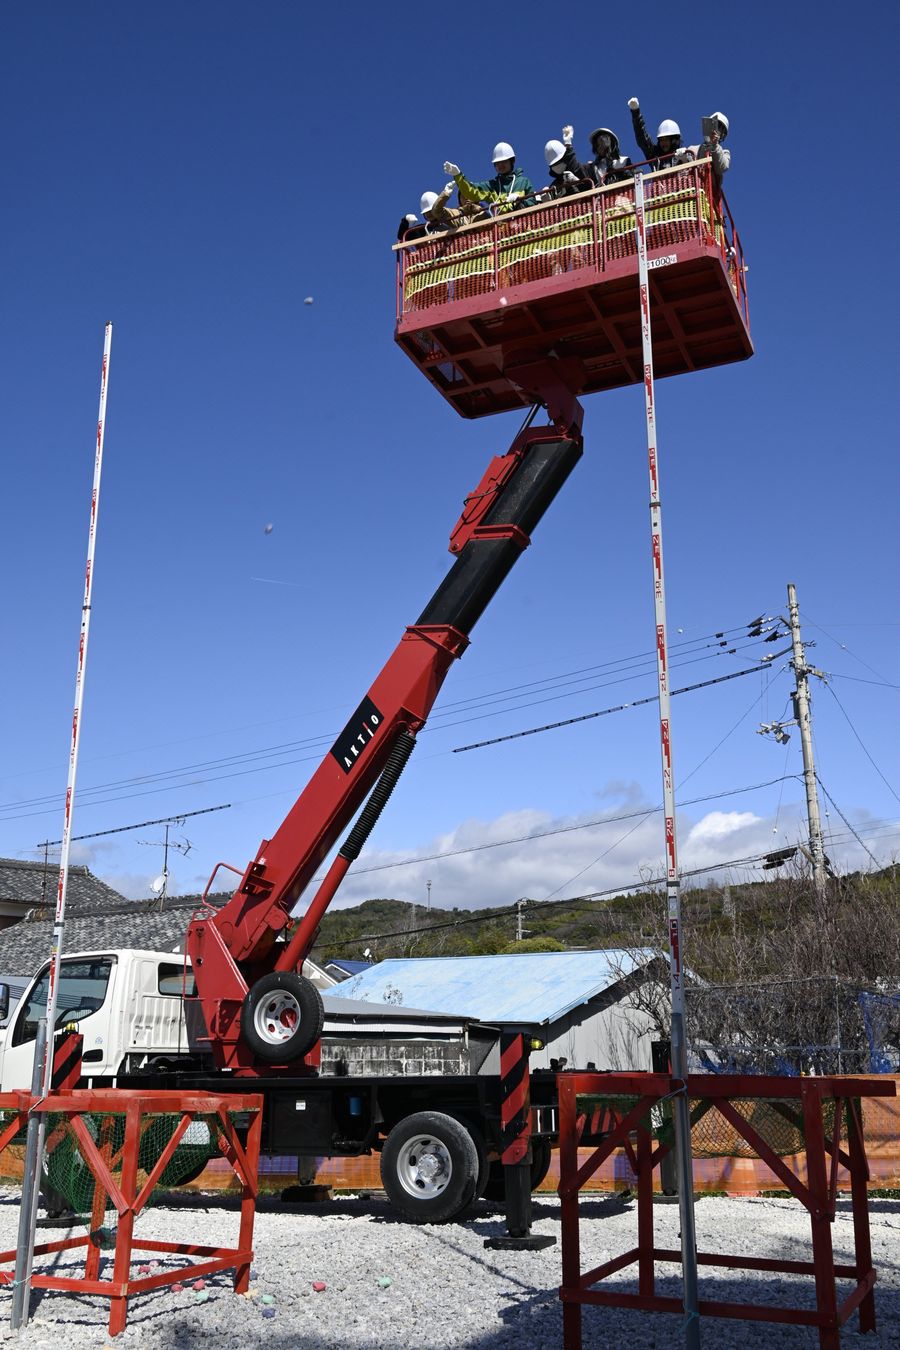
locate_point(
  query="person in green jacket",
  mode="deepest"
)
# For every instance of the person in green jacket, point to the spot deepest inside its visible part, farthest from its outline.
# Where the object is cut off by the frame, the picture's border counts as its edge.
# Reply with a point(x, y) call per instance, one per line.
point(508, 190)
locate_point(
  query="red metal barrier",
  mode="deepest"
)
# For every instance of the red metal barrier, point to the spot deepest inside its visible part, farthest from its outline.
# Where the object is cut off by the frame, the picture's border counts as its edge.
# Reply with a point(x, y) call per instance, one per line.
point(115, 1170)
point(583, 1097)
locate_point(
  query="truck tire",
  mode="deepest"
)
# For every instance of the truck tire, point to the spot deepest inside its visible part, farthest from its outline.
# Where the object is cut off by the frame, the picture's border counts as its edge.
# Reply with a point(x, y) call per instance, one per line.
point(429, 1167)
point(282, 1017)
point(541, 1155)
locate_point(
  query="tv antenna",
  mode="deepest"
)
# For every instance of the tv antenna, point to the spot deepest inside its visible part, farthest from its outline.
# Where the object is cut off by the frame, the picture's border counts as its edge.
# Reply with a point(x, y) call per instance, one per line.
point(160, 885)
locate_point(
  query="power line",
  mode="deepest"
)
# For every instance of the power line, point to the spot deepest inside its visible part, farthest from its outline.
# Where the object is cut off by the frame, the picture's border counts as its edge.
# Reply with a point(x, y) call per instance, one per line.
point(862, 745)
point(618, 667)
point(242, 764)
point(862, 845)
point(162, 820)
point(603, 684)
point(557, 906)
point(844, 648)
point(858, 679)
point(697, 767)
point(563, 829)
point(604, 712)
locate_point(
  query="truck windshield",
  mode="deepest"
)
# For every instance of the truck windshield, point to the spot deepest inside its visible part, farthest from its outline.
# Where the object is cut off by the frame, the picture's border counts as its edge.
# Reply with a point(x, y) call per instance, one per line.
point(82, 989)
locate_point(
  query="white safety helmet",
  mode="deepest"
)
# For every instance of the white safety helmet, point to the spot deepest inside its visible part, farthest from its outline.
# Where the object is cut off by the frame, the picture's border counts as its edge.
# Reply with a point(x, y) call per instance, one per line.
point(502, 150)
point(554, 152)
point(668, 128)
point(427, 202)
point(722, 121)
point(613, 141)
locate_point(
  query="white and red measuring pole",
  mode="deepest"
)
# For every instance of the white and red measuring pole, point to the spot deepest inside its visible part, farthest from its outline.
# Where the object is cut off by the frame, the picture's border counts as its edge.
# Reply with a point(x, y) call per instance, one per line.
point(681, 1105)
point(42, 1074)
point(63, 879)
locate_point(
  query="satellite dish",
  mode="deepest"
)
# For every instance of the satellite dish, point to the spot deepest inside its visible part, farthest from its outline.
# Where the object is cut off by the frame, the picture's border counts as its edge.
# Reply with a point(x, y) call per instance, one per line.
point(367, 953)
point(159, 884)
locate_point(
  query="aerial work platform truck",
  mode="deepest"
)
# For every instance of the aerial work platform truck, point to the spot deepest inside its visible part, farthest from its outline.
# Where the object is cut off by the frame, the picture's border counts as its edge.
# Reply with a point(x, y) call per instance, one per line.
point(528, 310)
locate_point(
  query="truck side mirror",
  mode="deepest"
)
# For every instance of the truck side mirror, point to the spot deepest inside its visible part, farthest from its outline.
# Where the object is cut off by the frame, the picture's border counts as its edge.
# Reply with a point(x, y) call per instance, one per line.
point(4, 1002)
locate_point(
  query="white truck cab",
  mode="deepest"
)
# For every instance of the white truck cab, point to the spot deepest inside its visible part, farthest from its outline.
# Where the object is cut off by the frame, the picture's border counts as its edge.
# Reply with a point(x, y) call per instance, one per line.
point(126, 1004)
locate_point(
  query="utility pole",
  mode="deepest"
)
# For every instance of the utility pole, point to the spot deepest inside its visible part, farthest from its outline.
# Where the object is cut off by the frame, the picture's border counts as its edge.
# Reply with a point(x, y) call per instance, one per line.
point(428, 896)
point(800, 698)
point(520, 931)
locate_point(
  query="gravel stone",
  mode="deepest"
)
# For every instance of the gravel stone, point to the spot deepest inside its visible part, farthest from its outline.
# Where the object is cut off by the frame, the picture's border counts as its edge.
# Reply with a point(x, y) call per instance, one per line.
point(446, 1290)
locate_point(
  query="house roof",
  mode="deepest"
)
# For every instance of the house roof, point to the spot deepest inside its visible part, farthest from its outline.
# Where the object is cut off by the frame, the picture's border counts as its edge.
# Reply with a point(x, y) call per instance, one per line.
point(128, 923)
point(532, 988)
point(348, 966)
point(34, 884)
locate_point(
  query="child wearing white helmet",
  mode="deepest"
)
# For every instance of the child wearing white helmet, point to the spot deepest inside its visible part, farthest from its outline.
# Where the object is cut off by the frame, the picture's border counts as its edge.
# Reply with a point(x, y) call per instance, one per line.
point(438, 216)
point(509, 189)
point(567, 173)
point(610, 165)
point(715, 130)
point(667, 149)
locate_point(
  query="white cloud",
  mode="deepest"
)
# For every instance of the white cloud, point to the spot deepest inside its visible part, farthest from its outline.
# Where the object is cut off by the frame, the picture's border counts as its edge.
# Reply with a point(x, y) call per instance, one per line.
point(566, 861)
point(719, 824)
point(569, 861)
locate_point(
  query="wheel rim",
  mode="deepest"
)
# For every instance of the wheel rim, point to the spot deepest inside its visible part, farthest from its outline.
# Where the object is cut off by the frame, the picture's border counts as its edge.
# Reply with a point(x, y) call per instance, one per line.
point(277, 1017)
point(424, 1167)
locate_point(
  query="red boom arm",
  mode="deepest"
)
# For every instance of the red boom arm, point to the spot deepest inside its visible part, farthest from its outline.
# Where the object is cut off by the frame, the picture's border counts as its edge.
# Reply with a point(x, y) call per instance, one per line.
point(231, 948)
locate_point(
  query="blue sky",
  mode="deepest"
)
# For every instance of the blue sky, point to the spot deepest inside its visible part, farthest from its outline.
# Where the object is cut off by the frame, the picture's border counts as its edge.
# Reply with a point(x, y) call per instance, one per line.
point(193, 173)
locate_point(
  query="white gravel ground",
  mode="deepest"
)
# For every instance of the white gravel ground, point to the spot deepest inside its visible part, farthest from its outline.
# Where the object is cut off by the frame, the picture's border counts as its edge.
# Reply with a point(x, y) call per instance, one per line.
point(446, 1289)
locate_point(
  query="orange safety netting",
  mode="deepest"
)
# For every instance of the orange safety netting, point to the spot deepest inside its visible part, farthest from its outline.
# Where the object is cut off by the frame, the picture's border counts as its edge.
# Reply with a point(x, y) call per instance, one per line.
point(736, 1175)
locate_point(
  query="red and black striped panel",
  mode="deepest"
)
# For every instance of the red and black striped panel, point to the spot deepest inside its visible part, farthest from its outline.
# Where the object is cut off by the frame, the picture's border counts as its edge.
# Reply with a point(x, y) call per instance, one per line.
point(515, 1097)
point(67, 1047)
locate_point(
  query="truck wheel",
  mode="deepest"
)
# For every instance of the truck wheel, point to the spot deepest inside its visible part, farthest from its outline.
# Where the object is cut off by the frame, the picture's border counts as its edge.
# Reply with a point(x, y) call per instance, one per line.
point(429, 1167)
point(541, 1155)
point(282, 1017)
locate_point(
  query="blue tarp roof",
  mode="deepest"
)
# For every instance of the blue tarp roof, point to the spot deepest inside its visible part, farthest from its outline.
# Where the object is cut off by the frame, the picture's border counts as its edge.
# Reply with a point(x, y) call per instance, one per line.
point(534, 987)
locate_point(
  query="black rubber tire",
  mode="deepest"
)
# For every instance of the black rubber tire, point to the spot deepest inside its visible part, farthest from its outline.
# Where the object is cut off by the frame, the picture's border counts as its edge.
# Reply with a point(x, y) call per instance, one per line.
point(183, 1178)
point(484, 1167)
point(541, 1155)
point(311, 1018)
point(434, 1199)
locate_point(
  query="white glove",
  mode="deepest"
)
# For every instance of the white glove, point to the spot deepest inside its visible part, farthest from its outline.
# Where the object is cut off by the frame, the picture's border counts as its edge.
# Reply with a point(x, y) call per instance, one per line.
point(568, 135)
point(449, 187)
point(410, 220)
point(633, 104)
point(569, 177)
point(451, 169)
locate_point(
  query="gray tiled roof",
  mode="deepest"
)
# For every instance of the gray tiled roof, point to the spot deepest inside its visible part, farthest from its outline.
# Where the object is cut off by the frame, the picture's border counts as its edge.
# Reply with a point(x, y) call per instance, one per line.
point(127, 923)
point(32, 883)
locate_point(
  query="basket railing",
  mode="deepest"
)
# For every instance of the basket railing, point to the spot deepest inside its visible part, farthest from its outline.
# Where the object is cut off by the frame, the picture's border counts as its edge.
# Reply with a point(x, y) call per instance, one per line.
point(591, 232)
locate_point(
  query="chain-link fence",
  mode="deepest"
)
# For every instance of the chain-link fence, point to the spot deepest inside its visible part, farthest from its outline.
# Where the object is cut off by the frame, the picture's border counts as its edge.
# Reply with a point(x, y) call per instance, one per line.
point(820, 1025)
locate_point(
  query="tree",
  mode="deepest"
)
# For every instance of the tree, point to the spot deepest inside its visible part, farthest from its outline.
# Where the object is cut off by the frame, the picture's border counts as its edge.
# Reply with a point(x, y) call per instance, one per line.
point(533, 944)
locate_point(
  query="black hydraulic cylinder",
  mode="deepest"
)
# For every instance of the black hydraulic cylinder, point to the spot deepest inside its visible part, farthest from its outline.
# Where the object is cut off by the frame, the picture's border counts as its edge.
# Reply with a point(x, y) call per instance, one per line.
point(368, 818)
point(483, 564)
